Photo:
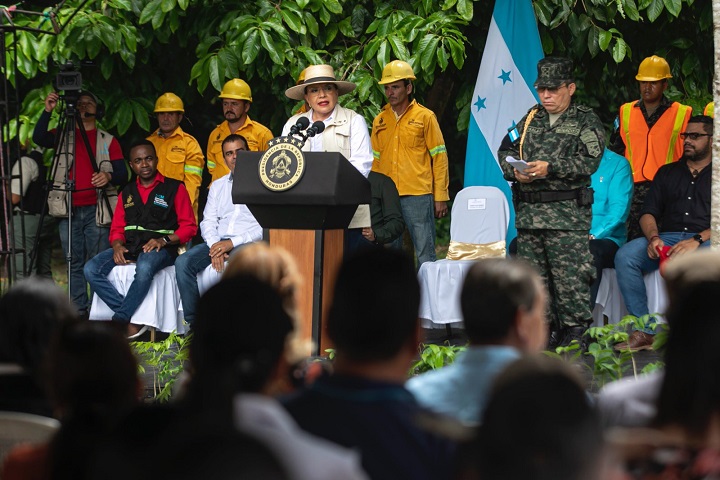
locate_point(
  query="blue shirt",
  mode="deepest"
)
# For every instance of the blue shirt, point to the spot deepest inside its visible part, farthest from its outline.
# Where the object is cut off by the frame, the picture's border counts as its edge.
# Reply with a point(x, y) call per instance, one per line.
point(381, 420)
point(461, 390)
point(613, 185)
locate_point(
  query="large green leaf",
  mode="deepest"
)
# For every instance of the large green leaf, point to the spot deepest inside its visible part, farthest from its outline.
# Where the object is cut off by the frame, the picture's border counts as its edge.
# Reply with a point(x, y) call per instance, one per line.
point(251, 47)
point(398, 47)
point(167, 5)
point(655, 9)
point(604, 39)
point(269, 46)
point(673, 7)
point(293, 21)
point(465, 9)
point(426, 50)
point(619, 50)
point(333, 6)
point(148, 12)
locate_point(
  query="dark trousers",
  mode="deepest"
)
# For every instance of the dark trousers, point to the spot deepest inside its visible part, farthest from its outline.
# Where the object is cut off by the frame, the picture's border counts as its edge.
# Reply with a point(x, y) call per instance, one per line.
point(603, 252)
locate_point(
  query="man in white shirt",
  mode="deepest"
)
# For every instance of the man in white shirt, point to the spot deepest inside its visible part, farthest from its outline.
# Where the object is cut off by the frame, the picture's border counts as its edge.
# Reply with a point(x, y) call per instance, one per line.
point(345, 130)
point(225, 227)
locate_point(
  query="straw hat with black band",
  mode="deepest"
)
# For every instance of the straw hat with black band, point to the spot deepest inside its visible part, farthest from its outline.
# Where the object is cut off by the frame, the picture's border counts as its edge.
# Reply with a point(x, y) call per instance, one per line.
point(315, 74)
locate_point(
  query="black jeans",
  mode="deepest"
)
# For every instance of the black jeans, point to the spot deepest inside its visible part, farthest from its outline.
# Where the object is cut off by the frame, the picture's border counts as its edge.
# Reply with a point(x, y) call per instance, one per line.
point(603, 252)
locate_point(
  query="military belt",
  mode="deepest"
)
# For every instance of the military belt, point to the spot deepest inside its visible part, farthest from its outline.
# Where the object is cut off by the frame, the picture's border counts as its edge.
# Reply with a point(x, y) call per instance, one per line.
point(547, 196)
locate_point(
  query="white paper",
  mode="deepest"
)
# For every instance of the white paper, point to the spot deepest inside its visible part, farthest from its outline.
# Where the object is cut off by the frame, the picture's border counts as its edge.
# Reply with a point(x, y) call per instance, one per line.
point(520, 165)
point(476, 204)
point(361, 219)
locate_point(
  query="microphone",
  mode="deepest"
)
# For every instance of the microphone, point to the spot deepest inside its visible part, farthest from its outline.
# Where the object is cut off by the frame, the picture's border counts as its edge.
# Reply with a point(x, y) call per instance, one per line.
point(301, 124)
point(317, 127)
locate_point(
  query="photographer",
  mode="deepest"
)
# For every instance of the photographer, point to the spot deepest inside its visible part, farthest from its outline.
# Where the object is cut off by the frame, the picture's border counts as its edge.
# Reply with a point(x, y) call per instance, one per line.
point(91, 212)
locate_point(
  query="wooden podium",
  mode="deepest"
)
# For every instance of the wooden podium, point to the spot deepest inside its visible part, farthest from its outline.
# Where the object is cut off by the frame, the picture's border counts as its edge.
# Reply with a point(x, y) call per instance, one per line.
point(308, 220)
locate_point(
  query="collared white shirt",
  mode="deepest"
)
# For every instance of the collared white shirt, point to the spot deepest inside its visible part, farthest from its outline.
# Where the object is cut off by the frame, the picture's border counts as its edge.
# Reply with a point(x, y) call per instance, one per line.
point(360, 149)
point(224, 220)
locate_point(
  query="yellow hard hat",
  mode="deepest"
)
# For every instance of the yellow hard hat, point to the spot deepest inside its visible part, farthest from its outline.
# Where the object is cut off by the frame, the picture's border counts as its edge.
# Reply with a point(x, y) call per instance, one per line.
point(653, 69)
point(169, 102)
point(709, 110)
point(301, 77)
point(237, 90)
point(396, 70)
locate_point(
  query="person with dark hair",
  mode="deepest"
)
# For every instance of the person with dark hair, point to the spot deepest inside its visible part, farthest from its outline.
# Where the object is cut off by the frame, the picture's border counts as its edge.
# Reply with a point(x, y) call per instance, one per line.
point(373, 323)
point(30, 313)
point(93, 384)
point(236, 100)
point(647, 132)
point(89, 222)
point(179, 154)
point(538, 425)
point(684, 433)
point(226, 227)
point(675, 220)
point(237, 356)
point(154, 215)
point(503, 303)
point(550, 156)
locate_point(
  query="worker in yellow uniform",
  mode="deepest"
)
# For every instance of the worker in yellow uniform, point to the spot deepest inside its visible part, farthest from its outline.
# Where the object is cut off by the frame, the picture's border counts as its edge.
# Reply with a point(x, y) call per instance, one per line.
point(408, 147)
point(648, 132)
point(179, 154)
point(236, 99)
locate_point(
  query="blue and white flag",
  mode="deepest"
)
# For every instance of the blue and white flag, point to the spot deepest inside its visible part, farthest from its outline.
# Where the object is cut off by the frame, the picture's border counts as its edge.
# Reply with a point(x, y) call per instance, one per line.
point(503, 93)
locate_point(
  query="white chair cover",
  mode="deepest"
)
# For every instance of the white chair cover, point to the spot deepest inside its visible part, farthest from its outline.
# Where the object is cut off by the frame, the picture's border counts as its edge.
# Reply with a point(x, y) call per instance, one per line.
point(479, 215)
point(160, 308)
point(610, 303)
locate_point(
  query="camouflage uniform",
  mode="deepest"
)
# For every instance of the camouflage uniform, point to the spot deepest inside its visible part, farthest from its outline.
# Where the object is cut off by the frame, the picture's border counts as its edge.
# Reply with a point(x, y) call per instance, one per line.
point(554, 235)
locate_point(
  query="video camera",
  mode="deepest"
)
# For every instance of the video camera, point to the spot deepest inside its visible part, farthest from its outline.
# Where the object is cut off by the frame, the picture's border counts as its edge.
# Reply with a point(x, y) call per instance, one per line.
point(68, 78)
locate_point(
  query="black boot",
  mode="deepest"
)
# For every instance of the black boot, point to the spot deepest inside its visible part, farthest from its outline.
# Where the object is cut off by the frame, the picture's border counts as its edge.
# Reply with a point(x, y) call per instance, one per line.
point(575, 333)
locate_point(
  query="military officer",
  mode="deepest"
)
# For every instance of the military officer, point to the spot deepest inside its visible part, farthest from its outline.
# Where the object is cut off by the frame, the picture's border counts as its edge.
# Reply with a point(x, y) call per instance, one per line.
point(561, 143)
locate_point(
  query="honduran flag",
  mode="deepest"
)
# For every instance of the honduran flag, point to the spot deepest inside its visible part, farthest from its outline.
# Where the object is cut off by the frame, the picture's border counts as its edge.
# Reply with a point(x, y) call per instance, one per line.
point(503, 93)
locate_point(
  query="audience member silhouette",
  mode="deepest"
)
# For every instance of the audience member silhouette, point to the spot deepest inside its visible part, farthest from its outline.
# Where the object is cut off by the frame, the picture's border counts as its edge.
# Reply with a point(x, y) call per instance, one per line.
point(30, 314)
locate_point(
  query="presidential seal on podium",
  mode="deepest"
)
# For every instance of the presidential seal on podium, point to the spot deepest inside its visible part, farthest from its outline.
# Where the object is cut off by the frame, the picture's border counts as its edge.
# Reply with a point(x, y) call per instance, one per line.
point(282, 165)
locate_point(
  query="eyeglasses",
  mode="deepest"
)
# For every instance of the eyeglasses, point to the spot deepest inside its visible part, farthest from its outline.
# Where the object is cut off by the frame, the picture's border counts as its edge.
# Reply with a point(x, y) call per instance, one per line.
point(694, 136)
point(550, 90)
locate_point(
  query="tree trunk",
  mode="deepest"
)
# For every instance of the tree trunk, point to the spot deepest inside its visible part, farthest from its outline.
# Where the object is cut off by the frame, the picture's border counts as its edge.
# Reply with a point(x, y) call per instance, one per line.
point(715, 204)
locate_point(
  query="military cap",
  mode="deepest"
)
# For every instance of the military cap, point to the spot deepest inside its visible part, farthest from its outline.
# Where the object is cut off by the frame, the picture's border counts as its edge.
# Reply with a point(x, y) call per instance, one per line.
point(553, 72)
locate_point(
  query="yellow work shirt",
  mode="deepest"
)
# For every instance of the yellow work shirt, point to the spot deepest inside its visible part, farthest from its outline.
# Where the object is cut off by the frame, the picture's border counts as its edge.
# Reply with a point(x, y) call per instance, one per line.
point(256, 134)
point(180, 157)
point(411, 151)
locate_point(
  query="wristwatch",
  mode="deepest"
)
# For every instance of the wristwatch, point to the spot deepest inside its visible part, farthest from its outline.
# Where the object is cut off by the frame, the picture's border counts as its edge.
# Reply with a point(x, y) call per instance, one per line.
point(699, 239)
point(167, 240)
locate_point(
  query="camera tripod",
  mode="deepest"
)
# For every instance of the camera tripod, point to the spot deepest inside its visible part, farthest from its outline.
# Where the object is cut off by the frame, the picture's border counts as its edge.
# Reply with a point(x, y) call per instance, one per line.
point(62, 182)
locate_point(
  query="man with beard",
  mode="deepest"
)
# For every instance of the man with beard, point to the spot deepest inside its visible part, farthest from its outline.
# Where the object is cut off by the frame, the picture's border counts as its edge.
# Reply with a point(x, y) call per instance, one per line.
point(676, 214)
point(236, 99)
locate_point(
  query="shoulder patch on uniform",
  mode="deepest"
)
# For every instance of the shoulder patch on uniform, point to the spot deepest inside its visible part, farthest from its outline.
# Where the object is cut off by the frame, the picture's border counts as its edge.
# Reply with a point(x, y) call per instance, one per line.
point(591, 142)
point(584, 108)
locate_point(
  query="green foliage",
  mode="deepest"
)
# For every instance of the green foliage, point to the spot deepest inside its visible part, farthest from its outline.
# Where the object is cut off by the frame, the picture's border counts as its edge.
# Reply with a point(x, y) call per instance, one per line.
point(167, 360)
point(609, 364)
point(434, 356)
point(142, 48)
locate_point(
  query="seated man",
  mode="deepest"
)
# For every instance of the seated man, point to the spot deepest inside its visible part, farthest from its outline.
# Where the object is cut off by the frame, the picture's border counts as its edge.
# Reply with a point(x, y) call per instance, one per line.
point(386, 218)
point(503, 303)
point(225, 227)
point(373, 323)
point(153, 216)
point(675, 220)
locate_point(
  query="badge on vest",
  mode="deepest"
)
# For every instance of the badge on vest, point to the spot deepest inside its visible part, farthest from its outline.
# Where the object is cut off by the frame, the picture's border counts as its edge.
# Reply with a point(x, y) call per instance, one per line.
point(129, 202)
point(177, 148)
point(160, 201)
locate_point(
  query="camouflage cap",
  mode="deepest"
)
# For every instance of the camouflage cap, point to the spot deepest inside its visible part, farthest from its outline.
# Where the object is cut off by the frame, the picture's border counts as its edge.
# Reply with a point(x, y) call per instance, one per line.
point(553, 72)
